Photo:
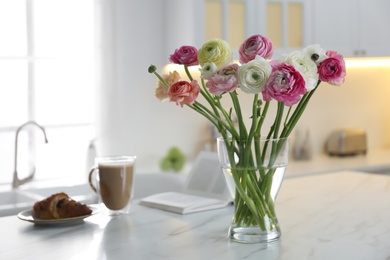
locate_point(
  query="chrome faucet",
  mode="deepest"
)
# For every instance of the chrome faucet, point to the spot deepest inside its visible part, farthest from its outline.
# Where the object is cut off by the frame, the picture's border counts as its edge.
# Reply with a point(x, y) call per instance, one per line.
point(16, 181)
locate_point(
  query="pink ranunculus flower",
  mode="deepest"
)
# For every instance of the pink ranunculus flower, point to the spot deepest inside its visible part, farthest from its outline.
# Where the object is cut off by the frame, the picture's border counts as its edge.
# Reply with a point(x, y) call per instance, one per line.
point(255, 45)
point(183, 92)
point(285, 84)
point(224, 80)
point(332, 69)
point(185, 55)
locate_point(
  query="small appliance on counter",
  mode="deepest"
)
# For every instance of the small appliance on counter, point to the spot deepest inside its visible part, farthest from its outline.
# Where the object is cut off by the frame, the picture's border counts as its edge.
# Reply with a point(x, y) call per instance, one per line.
point(346, 142)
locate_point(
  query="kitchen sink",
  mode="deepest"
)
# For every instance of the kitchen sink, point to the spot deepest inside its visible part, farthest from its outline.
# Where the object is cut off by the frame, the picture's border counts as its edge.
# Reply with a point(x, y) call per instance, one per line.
point(14, 197)
point(14, 201)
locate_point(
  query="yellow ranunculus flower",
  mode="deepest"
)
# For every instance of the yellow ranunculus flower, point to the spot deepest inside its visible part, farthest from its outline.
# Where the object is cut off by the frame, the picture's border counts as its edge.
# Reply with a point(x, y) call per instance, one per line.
point(217, 51)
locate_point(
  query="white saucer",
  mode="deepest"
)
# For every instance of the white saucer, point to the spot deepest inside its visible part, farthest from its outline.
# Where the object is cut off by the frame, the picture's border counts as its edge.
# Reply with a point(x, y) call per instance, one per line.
point(26, 215)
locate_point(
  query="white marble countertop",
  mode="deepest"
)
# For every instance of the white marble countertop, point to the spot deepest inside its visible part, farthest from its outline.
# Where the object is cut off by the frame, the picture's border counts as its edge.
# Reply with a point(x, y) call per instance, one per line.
point(376, 160)
point(342, 215)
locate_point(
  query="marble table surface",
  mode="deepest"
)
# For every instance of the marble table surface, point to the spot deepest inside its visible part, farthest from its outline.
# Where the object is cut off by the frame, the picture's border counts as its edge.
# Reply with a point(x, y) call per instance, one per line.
point(341, 215)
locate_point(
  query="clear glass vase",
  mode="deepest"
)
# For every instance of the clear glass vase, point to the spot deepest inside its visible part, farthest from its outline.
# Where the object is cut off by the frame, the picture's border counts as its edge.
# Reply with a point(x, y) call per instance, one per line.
point(254, 172)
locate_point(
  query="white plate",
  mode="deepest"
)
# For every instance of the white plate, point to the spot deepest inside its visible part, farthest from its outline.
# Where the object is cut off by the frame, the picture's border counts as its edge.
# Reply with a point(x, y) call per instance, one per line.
point(26, 215)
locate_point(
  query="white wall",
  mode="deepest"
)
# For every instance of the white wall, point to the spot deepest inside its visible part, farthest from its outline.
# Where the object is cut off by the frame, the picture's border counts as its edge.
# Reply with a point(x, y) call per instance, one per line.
point(132, 121)
point(362, 101)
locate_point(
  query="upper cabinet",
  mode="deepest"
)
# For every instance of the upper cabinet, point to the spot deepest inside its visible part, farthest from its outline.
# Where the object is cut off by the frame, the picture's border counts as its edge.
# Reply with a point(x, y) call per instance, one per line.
point(355, 28)
point(374, 32)
point(285, 22)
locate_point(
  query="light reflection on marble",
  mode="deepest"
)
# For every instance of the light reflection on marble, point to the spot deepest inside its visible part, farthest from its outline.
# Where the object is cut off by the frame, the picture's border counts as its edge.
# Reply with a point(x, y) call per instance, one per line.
point(330, 216)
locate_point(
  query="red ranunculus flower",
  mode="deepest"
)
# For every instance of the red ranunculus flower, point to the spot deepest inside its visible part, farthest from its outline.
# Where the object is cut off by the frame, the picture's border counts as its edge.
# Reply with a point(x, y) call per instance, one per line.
point(183, 92)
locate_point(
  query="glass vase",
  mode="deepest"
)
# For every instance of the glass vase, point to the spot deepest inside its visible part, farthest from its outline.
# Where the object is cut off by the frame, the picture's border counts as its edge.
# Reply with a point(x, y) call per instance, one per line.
point(254, 172)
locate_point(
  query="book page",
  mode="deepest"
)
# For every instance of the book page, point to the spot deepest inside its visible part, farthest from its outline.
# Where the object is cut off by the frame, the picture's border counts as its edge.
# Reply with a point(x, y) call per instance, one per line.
point(181, 202)
point(205, 189)
point(206, 178)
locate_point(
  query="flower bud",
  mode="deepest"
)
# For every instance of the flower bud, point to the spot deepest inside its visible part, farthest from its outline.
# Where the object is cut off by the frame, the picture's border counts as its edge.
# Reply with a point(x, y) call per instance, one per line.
point(152, 69)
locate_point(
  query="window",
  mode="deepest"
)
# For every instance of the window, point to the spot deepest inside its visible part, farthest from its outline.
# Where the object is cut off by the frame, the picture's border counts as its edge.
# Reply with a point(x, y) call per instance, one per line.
point(47, 67)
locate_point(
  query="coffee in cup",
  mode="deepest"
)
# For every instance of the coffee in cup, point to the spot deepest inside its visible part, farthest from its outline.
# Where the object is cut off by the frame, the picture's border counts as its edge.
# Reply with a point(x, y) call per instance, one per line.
point(114, 183)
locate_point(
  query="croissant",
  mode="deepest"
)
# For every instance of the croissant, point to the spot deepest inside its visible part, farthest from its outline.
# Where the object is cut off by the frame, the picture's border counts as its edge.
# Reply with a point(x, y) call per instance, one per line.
point(59, 205)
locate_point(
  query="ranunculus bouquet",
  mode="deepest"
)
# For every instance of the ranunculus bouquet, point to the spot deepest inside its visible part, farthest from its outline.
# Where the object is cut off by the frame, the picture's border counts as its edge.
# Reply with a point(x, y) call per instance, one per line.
point(290, 82)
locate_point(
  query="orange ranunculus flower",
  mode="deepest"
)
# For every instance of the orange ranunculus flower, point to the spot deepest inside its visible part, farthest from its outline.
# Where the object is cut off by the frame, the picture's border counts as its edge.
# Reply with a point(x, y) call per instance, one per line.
point(161, 92)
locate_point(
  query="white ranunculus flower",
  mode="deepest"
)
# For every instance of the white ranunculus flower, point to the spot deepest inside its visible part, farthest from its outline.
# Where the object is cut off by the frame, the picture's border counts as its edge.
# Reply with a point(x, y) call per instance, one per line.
point(207, 70)
point(306, 66)
point(316, 53)
point(253, 75)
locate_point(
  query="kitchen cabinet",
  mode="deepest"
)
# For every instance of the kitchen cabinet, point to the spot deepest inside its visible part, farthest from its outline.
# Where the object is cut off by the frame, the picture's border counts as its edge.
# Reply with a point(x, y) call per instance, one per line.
point(353, 28)
point(285, 22)
point(374, 33)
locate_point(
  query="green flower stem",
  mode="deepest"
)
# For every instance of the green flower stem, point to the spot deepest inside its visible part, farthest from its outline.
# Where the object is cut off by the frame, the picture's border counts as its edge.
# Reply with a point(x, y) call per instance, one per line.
point(215, 120)
point(228, 118)
point(267, 184)
point(206, 113)
point(188, 73)
point(259, 199)
point(241, 125)
point(262, 117)
point(206, 94)
point(274, 150)
point(278, 119)
point(288, 114)
point(289, 126)
point(252, 131)
point(298, 112)
point(247, 159)
point(263, 153)
point(237, 176)
point(242, 129)
point(274, 130)
point(216, 105)
point(161, 79)
point(259, 158)
point(254, 200)
point(214, 117)
point(206, 91)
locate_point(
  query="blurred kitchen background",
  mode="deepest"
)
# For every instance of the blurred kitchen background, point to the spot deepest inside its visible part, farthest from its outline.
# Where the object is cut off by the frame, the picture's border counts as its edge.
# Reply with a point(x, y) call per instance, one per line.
point(79, 69)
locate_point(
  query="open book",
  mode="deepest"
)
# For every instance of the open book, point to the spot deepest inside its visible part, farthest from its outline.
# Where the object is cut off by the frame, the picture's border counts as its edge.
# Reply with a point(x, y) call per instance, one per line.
point(205, 189)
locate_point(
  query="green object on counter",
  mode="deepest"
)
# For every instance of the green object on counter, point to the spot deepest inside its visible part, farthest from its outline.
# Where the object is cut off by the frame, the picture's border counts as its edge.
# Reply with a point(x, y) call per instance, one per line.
point(174, 160)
